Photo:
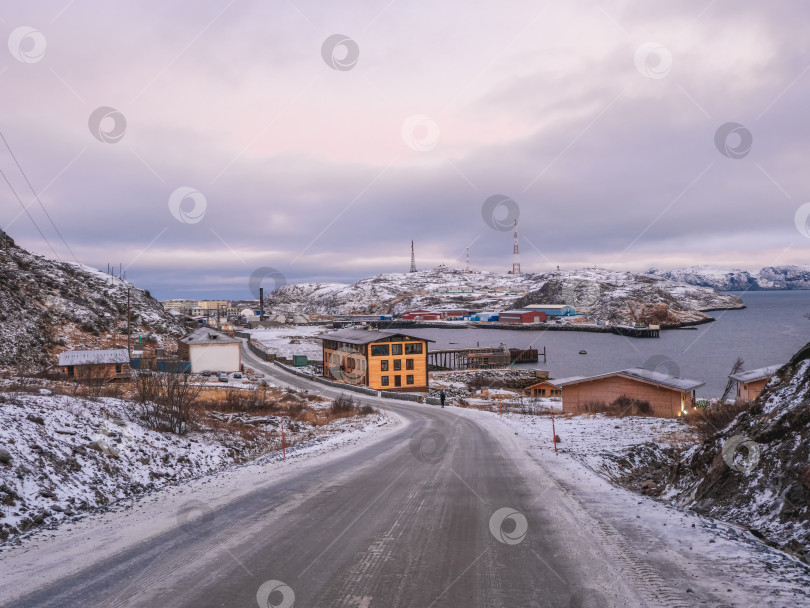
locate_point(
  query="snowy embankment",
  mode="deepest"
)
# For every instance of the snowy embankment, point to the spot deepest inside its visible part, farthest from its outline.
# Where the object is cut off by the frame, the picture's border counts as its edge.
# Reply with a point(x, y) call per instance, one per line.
point(700, 555)
point(64, 456)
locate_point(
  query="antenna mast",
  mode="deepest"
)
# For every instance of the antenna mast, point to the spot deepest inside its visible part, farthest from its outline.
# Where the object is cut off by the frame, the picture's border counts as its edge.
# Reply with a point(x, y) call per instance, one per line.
point(468, 259)
point(516, 254)
point(413, 259)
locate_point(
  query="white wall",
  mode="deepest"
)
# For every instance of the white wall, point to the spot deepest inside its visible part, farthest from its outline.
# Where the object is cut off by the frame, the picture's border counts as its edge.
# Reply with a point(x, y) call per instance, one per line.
point(215, 357)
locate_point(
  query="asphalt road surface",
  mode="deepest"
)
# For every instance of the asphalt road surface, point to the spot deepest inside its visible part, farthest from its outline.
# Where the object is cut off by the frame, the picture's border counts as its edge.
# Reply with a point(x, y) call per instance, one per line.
point(440, 512)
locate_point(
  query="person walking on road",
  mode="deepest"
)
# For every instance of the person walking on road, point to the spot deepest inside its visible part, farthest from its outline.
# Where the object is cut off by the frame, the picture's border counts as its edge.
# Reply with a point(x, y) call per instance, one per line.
point(441, 397)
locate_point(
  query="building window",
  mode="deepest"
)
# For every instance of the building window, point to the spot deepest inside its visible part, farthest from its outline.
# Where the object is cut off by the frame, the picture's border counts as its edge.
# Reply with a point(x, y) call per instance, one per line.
point(397, 380)
point(384, 365)
point(379, 350)
point(396, 349)
point(397, 364)
point(384, 380)
point(71, 371)
point(408, 363)
point(409, 379)
point(118, 368)
point(413, 349)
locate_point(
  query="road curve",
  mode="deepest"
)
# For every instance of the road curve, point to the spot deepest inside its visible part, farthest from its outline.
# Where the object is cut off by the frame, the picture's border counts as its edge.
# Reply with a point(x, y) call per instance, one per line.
point(442, 512)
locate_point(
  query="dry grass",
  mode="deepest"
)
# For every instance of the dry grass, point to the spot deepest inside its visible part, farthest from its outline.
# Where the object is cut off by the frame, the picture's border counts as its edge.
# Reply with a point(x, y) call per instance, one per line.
point(714, 418)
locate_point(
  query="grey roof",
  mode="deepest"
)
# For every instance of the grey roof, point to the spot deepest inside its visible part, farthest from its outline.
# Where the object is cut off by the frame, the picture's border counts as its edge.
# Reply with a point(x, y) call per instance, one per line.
point(364, 336)
point(755, 374)
point(205, 335)
point(638, 373)
point(93, 357)
point(516, 312)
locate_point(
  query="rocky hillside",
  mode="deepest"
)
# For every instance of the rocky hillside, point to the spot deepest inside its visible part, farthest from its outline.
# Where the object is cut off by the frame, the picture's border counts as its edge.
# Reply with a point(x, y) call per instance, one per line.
point(47, 307)
point(731, 279)
point(612, 295)
point(756, 471)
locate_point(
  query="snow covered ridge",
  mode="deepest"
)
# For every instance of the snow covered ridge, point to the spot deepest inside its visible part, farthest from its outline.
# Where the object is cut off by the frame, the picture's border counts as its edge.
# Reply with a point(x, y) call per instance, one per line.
point(756, 471)
point(48, 306)
point(63, 456)
point(612, 294)
point(732, 279)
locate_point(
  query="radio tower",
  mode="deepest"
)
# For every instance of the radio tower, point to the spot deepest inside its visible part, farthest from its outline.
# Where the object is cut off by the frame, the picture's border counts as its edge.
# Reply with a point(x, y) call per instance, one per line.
point(516, 254)
point(413, 259)
point(468, 259)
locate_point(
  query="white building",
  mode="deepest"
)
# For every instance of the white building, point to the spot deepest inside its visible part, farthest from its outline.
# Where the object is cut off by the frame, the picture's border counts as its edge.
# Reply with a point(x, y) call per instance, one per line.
point(210, 350)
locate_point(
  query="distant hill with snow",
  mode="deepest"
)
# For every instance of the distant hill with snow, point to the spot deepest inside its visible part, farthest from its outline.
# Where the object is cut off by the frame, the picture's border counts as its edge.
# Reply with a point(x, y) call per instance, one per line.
point(48, 306)
point(614, 296)
point(732, 279)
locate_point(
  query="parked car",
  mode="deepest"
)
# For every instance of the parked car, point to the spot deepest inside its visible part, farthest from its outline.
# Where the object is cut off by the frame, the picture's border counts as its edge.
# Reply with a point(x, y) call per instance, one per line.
point(237, 374)
point(222, 377)
point(206, 373)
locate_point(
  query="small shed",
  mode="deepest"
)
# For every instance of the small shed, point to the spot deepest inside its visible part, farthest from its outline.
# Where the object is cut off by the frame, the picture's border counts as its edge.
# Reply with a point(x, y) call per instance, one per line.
point(106, 365)
point(751, 383)
point(522, 316)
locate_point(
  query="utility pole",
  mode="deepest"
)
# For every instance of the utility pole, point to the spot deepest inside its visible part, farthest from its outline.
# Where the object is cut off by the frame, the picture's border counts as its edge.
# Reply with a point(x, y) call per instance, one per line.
point(129, 332)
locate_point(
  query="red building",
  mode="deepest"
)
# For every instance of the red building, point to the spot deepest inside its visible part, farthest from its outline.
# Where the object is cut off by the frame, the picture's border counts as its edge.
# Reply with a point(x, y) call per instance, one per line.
point(422, 315)
point(522, 316)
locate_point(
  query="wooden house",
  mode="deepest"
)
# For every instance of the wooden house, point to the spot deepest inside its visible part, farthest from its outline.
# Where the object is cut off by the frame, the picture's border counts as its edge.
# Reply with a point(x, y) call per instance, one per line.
point(669, 397)
point(543, 389)
point(382, 360)
point(96, 365)
point(751, 383)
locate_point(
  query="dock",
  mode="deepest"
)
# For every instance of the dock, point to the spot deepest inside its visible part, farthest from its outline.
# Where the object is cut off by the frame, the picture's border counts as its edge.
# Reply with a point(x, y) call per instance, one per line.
point(651, 331)
point(480, 357)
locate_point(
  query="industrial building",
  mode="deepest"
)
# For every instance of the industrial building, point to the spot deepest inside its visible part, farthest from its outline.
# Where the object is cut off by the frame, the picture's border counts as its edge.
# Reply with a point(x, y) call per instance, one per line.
point(422, 315)
point(751, 383)
point(521, 316)
point(553, 310)
point(382, 360)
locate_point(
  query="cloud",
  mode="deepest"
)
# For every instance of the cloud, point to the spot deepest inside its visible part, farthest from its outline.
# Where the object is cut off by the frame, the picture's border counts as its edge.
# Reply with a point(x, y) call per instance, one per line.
point(304, 168)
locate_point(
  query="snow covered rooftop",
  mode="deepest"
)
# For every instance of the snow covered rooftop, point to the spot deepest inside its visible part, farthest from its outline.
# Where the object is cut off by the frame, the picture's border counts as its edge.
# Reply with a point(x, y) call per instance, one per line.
point(365, 336)
point(637, 373)
point(92, 357)
point(208, 336)
point(755, 374)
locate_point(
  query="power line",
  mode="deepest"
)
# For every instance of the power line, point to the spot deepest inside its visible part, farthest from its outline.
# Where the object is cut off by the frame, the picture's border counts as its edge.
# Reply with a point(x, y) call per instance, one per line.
point(48, 215)
point(19, 200)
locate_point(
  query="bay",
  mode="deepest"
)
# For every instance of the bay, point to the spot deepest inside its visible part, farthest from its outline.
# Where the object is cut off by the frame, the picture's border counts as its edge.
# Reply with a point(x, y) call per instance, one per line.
point(768, 331)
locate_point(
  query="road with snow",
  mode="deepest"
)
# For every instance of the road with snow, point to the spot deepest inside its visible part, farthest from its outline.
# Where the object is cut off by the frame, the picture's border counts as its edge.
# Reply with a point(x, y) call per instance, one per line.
point(446, 509)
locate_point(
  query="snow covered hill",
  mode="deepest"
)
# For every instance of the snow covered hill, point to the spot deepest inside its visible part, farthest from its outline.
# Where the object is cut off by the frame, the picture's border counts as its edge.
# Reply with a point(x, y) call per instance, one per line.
point(612, 295)
point(756, 471)
point(732, 279)
point(48, 306)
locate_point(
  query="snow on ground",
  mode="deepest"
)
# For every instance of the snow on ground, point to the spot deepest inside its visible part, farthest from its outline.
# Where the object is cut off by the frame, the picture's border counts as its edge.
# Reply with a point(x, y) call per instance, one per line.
point(699, 555)
point(279, 340)
point(69, 455)
point(62, 552)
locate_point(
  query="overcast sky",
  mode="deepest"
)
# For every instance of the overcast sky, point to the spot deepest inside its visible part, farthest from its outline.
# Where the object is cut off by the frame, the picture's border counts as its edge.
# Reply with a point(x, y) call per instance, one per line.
point(196, 141)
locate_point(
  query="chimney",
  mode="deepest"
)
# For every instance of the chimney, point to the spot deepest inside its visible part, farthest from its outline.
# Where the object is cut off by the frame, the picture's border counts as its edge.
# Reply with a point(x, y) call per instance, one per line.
point(261, 303)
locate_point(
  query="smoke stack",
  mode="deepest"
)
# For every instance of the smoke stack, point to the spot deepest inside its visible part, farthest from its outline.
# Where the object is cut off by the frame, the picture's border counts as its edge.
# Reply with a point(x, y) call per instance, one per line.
point(261, 303)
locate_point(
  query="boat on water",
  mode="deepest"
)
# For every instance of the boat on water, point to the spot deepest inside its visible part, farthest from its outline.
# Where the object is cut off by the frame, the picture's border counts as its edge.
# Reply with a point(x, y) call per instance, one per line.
point(583, 352)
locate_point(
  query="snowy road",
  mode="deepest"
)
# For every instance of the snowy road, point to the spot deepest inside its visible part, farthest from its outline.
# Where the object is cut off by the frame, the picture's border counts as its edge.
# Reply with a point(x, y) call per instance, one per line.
point(449, 508)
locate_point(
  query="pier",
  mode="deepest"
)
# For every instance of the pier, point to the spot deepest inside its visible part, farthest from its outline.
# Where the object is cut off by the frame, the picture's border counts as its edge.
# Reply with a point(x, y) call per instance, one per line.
point(481, 357)
point(651, 331)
